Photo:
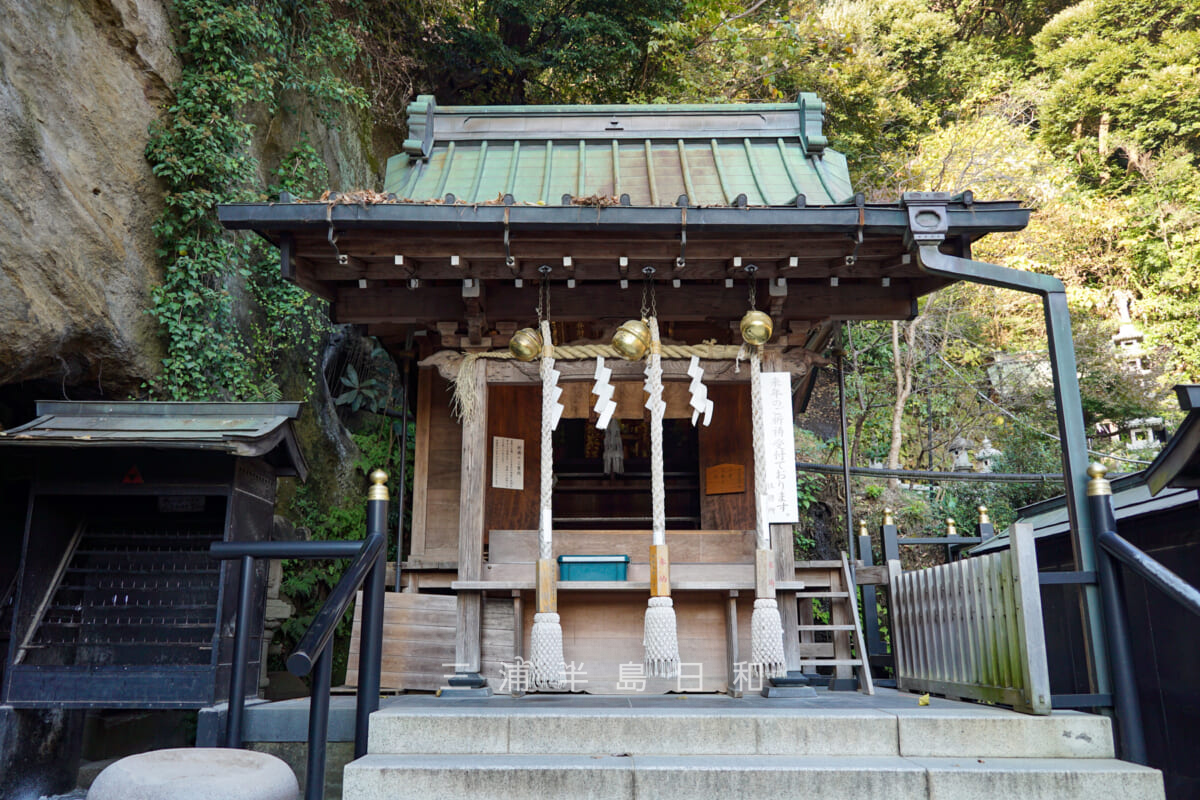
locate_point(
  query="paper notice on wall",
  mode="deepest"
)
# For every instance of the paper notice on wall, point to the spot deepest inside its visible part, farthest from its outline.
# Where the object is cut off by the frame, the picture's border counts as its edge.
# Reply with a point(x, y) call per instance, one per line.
point(780, 444)
point(508, 463)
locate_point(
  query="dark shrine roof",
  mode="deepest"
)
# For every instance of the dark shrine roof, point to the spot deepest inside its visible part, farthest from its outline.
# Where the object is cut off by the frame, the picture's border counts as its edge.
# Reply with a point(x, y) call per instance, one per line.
point(240, 429)
point(1169, 482)
point(1178, 463)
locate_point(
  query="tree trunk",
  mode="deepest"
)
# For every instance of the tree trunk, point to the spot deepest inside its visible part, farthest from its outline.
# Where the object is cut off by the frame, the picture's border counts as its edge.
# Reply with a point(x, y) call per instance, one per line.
point(902, 369)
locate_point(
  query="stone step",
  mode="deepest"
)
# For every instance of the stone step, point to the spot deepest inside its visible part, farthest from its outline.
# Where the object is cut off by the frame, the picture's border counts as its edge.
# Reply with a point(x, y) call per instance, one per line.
point(946, 730)
point(617, 777)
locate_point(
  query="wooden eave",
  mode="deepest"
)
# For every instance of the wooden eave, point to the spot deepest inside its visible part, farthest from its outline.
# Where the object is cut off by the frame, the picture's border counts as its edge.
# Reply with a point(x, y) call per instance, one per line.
point(364, 258)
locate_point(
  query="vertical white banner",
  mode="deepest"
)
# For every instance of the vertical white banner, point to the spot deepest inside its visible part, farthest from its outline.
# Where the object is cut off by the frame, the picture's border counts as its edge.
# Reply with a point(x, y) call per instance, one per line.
point(780, 443)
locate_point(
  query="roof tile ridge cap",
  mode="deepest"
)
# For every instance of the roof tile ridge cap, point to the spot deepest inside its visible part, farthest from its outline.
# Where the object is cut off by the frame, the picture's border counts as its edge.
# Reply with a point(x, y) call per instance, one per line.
point(453, 110)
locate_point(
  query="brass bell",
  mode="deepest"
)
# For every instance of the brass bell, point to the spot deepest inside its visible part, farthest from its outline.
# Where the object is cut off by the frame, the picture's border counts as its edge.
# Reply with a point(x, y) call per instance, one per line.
point(756, 327)
point(632, 340)
point(525, 344)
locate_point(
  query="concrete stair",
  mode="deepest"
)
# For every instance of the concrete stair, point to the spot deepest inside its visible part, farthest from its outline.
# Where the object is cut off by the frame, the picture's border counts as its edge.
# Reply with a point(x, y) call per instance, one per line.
point(696, 747)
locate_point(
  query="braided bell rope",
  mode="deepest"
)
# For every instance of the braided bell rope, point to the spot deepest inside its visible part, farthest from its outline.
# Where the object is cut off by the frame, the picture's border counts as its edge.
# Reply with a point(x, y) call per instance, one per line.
point(660, 638)
point(545, 546)
point(654, 388)
point(763, 534)
point(545, 638)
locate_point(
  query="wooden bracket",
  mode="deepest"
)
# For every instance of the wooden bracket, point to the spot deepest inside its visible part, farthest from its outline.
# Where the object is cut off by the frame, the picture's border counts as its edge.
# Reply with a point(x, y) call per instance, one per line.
point(449, 333)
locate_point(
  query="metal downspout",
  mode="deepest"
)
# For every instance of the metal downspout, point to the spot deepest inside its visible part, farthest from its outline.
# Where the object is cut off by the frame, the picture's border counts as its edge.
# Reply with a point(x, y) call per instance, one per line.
point(928, 224)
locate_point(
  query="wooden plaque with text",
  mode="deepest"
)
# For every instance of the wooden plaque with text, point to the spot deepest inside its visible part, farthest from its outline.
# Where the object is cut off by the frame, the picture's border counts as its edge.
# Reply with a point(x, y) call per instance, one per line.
point(725, 479)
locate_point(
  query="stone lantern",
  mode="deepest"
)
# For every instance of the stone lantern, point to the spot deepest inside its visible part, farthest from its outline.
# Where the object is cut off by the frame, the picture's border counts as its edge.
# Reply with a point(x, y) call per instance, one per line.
point(986, 454)
point(960, 448)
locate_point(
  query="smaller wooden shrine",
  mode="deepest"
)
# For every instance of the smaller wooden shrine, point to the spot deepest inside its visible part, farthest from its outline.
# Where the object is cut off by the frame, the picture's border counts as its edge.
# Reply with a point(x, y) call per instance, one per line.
point(111, 599)
point(614, 306)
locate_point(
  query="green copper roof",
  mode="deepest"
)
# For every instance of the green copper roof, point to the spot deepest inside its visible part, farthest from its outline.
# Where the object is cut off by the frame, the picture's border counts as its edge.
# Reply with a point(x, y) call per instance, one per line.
point(241, 429)
point(715, 155)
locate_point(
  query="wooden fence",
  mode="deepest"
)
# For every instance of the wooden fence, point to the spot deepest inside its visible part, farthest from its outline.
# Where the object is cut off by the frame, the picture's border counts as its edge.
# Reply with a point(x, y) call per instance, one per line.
point(973, 628)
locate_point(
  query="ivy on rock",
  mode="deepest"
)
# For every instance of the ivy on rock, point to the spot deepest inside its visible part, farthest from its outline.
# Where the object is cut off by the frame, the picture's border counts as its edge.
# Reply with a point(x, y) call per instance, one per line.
point(231, 324)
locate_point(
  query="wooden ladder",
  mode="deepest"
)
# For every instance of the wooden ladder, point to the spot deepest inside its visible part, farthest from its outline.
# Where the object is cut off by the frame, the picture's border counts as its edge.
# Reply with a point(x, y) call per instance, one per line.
point(831, 580)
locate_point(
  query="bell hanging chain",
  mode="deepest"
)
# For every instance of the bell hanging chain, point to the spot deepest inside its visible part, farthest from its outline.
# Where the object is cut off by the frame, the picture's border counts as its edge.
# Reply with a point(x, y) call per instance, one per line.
point(753, 284)
point(543, 307)
point(649, 302)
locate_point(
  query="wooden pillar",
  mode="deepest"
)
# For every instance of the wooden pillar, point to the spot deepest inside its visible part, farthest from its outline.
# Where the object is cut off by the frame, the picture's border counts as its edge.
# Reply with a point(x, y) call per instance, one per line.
point(785, 570)
point(732, 688)
point(467, 645)
point(785, 558)
point(518, 626)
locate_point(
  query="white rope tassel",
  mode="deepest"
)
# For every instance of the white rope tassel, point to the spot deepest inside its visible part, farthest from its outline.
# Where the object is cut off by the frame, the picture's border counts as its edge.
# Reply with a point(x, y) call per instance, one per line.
point(547, 668)
point(660, 639)
point(766, 638)
point(545, 639)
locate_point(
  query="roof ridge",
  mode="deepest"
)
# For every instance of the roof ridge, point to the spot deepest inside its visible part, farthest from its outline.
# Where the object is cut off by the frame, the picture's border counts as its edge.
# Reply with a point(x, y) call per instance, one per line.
point(428, 122)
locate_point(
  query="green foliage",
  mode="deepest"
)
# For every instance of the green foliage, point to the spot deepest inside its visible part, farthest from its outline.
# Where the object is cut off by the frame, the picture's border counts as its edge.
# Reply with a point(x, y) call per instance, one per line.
point(235, 55)
point(377, 389)
point(1121, 74)
point(359, 393)
point(544, 51)
point(307, 583)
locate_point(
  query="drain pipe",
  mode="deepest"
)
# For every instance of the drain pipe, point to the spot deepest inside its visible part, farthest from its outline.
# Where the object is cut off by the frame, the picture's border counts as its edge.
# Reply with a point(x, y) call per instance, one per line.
point(928, 225)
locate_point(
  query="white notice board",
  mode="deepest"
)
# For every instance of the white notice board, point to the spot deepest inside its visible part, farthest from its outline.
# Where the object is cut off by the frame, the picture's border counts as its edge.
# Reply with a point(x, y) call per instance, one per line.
point(508, 463)
point(780, 444)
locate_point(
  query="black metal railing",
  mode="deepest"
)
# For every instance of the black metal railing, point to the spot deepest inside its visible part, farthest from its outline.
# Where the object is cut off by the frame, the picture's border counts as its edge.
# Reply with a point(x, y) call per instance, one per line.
point(1151, 570)
point(1113, 548)
point(313, 654)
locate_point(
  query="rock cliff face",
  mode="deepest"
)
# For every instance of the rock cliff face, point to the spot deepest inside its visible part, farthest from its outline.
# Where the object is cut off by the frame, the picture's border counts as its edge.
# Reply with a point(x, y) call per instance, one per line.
point(79, 84)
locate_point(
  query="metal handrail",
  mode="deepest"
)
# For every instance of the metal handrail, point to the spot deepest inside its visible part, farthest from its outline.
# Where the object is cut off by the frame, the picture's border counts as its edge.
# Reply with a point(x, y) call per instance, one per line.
point(1152, 570)
point(313, 654)
point(323, 625)
point(226, 551)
